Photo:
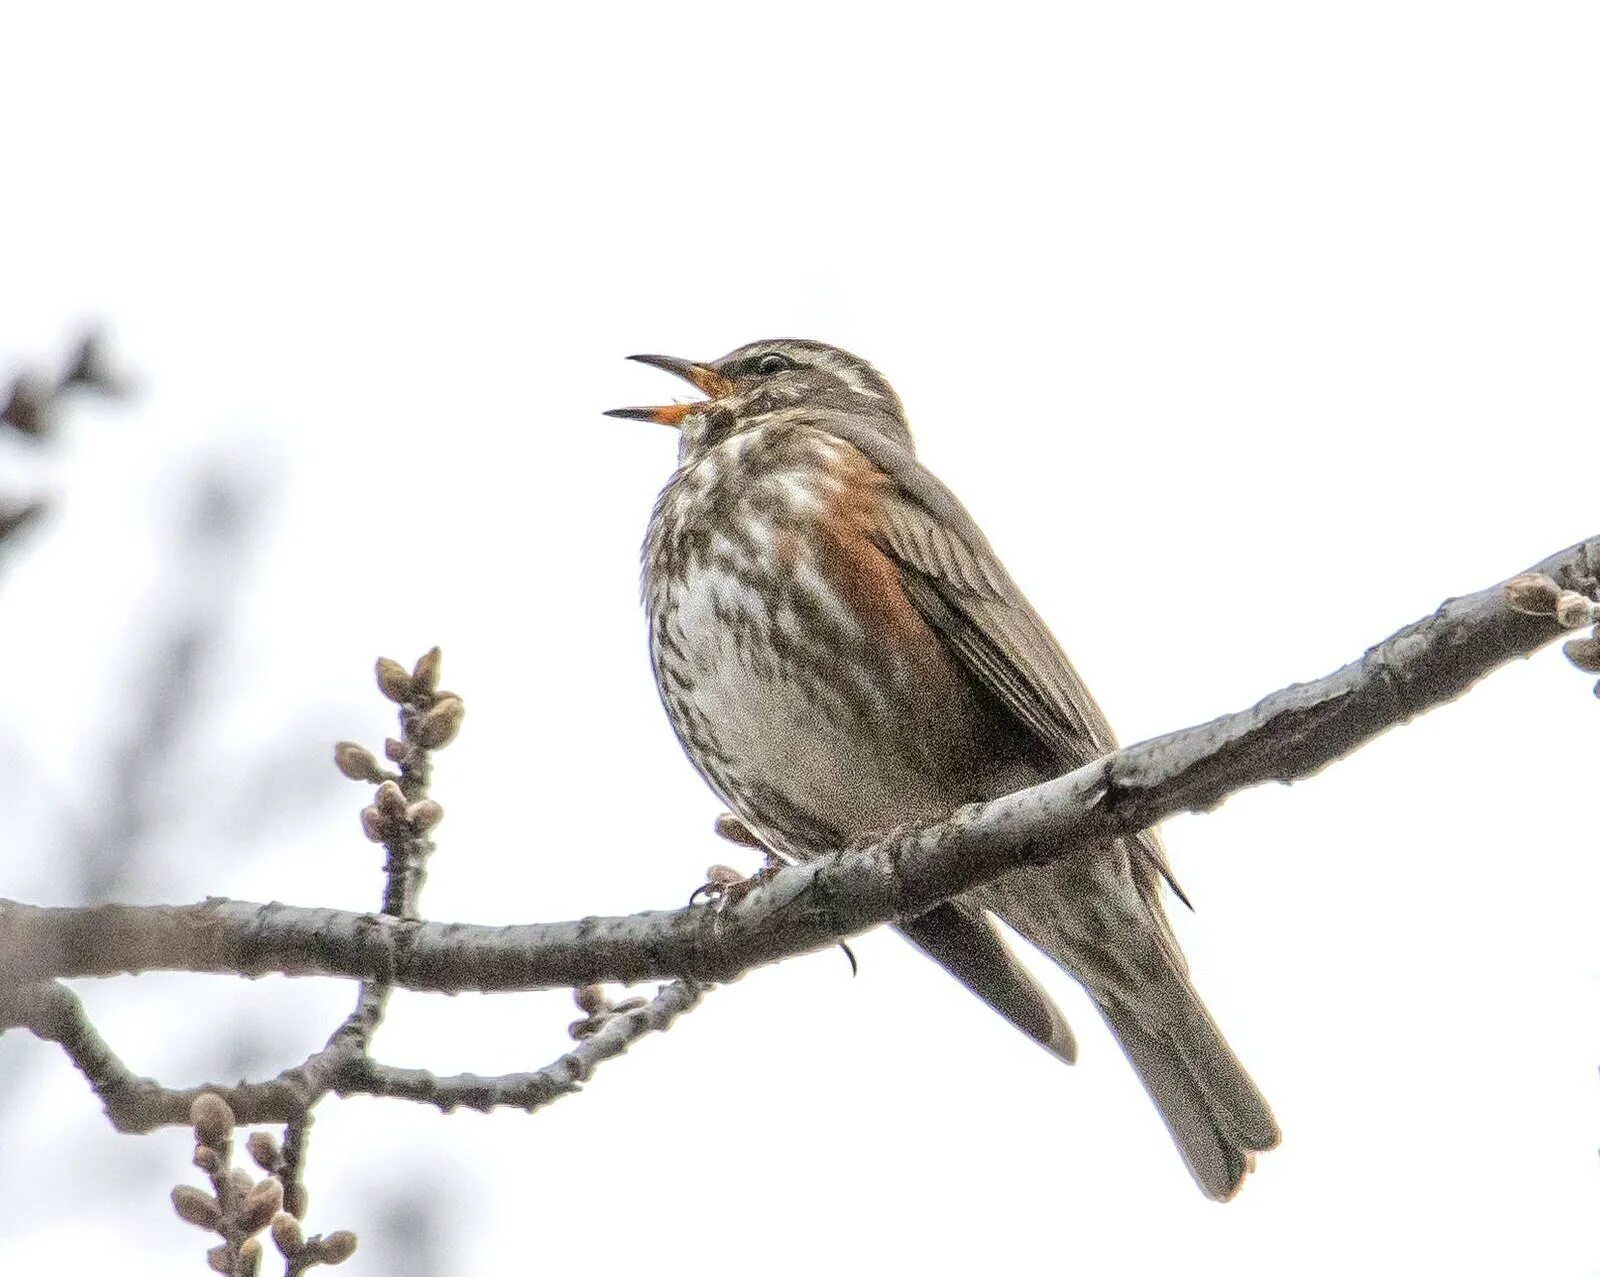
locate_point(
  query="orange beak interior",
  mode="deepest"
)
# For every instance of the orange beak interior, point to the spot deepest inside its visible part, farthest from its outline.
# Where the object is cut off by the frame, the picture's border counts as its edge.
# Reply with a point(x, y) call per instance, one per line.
point(707, 380)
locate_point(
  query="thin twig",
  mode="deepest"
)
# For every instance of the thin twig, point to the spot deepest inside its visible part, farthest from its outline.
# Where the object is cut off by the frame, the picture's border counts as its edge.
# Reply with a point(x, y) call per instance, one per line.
point(53, 1013)
point(407, 846)
point(527, 1091)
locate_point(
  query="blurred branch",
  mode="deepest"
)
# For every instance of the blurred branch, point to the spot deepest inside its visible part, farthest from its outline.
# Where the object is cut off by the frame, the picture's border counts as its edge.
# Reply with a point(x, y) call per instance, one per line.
point(108, 849)
point(1291, 734)
point(30, 410)
point(16, 517)
point(32, 400)
point(104, 847)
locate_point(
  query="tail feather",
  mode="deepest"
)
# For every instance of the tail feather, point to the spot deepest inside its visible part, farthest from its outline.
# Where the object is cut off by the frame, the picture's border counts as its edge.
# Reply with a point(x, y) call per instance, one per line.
point(1101, 921)
point(965, 943)
point(1217, 1117)
point(1239, 1107)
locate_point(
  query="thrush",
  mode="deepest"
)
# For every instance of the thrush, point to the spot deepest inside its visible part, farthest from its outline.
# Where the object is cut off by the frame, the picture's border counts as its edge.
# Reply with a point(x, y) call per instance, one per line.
point(840, 652)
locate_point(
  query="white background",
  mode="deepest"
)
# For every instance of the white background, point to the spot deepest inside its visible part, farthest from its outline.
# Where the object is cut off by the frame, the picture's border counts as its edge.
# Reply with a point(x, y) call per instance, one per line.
point(1248, 333)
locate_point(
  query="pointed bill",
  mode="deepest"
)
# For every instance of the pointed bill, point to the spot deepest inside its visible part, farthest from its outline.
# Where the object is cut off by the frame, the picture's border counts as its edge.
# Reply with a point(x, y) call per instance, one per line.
point(708, 381)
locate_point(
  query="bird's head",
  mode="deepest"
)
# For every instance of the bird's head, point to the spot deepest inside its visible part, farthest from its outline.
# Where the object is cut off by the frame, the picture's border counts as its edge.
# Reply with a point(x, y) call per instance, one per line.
point(773, 381)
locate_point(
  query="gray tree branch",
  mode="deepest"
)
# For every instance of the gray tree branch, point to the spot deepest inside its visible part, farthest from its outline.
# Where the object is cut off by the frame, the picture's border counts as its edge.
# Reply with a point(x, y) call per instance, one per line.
point(1289, 735)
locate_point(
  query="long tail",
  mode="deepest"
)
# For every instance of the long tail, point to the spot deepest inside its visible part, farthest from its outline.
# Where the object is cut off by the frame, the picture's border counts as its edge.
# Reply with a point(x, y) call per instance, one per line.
point(1217, 1117)
point(1101, 920)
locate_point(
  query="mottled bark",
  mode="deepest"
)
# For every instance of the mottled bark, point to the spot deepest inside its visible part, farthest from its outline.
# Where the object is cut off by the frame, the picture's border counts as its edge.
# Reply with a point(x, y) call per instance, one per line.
point(1291, 734)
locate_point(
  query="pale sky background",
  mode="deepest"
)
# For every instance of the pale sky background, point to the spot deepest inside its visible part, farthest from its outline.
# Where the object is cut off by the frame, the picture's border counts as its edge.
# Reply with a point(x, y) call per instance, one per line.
point(1248, 332)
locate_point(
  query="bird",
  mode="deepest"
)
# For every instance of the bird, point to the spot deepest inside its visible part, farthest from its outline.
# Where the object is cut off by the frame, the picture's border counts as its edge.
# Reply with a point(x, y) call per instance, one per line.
point(840, 653)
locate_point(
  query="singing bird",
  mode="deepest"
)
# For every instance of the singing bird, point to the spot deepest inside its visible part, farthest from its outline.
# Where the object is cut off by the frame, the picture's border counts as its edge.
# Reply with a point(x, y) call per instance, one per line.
point(841, 652)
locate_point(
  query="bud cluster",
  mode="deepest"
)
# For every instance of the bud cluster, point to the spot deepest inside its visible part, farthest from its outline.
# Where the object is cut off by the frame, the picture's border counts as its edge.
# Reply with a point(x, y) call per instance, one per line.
point(241, 1206)
point(429, 720)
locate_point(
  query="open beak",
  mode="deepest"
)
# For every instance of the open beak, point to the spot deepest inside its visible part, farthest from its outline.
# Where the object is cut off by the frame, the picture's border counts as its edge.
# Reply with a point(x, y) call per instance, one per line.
point(708, 381)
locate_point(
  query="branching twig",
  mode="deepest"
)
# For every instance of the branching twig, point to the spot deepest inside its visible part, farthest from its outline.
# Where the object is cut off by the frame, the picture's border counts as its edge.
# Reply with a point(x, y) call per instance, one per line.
point(527, 1091)
point(401, 817)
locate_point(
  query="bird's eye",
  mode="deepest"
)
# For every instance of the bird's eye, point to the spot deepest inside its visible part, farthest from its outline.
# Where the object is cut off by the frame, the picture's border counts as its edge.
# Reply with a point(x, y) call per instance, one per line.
point(772, 362)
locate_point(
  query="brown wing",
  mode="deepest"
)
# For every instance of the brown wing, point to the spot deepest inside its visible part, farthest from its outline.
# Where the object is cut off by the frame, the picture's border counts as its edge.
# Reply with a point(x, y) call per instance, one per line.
point(958, 585)
point(965, 594)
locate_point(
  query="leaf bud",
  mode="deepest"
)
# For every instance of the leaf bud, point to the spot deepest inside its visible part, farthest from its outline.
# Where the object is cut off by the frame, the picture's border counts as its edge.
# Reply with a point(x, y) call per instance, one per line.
point(1573, 611)
point(356, 762)
point(287, 1235)
point(196, 1207)
point(425, 675)
point(438, 727)
point(264, 1151)
point(1584, 653)
point(337, 1247)
point(261, 1203)
point(390, 801)
point(212, 1119)
point(591, 999)
point(393, 680)
point(373, 824)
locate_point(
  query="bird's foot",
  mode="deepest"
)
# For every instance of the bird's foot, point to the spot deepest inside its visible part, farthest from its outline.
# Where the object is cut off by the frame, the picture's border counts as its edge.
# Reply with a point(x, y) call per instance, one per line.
point(725, 885)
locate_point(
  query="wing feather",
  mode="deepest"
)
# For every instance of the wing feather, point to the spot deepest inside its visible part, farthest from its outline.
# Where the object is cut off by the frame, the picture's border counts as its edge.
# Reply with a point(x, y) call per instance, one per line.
point(966, 595)
point(958, 584)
